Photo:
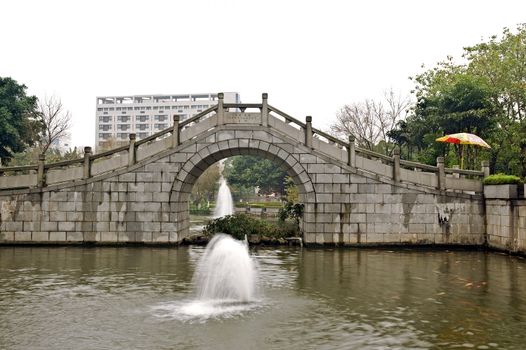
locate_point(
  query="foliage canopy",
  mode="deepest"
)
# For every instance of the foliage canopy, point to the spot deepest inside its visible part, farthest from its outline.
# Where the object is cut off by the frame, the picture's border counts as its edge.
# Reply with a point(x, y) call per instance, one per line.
point(485, 95)
point(247, 172)
point(19, 127)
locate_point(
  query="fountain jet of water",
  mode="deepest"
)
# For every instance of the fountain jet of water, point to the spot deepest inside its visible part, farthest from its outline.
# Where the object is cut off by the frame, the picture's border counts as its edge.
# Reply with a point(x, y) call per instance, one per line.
point(224, 202)
point(226, 272)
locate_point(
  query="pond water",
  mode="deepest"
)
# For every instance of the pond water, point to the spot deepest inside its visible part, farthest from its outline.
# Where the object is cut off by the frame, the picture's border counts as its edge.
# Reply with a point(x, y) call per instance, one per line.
point(138, 298)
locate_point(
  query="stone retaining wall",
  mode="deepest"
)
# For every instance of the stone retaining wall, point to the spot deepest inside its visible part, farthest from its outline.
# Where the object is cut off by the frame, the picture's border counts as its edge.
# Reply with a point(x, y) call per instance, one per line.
point(506, 224)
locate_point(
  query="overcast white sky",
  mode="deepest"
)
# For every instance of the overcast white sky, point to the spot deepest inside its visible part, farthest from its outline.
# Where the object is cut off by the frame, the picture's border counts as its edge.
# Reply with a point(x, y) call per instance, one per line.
point(312, 57)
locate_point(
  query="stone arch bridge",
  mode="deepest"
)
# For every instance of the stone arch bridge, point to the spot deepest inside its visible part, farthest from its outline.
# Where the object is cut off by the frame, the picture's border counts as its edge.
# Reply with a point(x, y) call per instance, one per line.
point(139, 192)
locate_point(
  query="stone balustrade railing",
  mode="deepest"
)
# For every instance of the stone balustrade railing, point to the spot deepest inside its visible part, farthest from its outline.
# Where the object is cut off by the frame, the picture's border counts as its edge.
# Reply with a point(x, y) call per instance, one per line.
point(258, 114)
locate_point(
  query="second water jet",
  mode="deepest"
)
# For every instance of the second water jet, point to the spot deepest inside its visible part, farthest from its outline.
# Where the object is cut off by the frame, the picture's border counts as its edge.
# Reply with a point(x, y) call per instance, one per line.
point(224, 201)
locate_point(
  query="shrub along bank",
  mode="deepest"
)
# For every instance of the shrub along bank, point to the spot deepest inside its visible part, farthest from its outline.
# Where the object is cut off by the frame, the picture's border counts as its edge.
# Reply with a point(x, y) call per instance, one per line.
point(257, 230)
point(502, 179)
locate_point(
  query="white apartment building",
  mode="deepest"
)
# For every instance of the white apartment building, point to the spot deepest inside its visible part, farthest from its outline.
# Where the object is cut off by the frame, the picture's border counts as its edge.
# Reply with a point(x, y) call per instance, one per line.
point(144, 115)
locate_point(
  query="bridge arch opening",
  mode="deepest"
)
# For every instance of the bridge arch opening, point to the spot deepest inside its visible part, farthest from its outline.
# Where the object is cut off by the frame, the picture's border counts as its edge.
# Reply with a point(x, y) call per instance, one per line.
point(196, 165)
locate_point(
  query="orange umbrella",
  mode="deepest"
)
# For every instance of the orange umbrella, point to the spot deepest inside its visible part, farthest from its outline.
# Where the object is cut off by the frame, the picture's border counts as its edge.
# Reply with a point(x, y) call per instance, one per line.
point(463, 138)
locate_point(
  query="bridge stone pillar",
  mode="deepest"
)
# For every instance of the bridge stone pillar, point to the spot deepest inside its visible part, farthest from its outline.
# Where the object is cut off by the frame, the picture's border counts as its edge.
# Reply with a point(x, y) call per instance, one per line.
point(87, 165)
point(308, 131)
point(264, 109)
point(175, 132)
point(351, 156)
point(131, 150)
point(441, 174)
point(220, 109)
point(40, 170)
point(485, 168)
point(396, 164)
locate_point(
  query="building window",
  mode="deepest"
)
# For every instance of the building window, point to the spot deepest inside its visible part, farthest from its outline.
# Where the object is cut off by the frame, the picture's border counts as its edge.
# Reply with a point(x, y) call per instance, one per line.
point(160, 126)
point(142, 118)
point(142, 135)
point(123, 127)
point(161, 117)
point(142, 127)
point(105, 119)
point(104, 127)
point(122, 135)
point(123, 118)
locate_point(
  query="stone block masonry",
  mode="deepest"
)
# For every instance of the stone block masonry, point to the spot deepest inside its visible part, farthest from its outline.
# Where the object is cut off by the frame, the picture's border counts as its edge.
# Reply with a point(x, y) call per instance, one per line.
point(506, 224)
point(147, 202)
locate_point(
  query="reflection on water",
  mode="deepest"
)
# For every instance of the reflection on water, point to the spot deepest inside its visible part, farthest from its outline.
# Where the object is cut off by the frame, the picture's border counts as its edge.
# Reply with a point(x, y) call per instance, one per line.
point(142, 298)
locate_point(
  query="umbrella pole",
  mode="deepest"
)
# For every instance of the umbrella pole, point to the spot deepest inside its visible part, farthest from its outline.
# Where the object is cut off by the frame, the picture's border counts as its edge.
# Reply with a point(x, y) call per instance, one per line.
point(461, 156)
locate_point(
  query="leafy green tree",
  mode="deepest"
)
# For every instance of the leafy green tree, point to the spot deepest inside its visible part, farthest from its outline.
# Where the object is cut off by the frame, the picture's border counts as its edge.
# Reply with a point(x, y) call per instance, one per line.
point(19, 127)
point(206, 186)
point(251, 171)
point(292, 208)
point(502, 61)
point(485, 95)
point(291, 190)
point(452, 101)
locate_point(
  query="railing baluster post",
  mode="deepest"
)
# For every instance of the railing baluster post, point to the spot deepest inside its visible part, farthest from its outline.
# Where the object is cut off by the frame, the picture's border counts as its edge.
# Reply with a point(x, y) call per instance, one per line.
point(264, 110)
point(175, 132)
point(308, 131)
point(351, 152)
point(441, 174)
point(455, 174)
point(396, 164)
point(220, 108)
point(131, 150)
point(87, 162)
point(485, 168)
point(40, 172)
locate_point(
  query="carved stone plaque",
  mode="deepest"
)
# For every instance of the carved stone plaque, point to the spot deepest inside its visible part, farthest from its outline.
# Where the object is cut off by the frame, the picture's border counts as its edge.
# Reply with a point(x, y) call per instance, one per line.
point(242, 118)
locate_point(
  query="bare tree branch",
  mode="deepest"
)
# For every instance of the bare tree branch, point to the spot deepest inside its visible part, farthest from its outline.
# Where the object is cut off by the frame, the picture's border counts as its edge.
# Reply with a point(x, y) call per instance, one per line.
point(56, 121)
point(370, 121)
